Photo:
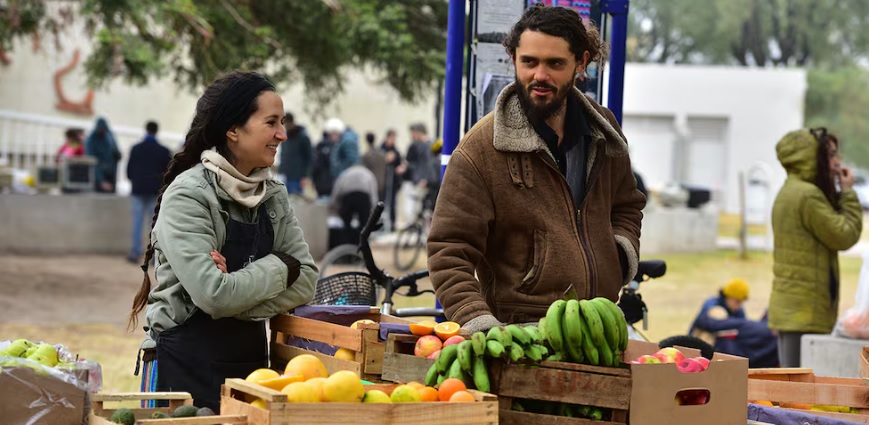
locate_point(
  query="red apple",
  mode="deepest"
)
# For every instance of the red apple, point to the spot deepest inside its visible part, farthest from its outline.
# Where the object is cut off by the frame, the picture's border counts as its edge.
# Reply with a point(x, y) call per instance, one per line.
point(690, 366)
point(426, 345)
point(434, 355)
point(453, 340)
point(647, 359)
point(674, 355)
point(704, 361)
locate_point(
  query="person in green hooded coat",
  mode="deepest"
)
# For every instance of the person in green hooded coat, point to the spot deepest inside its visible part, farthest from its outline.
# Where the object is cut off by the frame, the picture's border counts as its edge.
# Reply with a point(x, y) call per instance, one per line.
point(811, 221)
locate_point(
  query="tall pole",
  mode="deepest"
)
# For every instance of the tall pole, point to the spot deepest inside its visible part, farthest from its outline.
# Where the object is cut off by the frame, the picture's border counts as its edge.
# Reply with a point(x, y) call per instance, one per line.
point(618, 10)
point(455, 68)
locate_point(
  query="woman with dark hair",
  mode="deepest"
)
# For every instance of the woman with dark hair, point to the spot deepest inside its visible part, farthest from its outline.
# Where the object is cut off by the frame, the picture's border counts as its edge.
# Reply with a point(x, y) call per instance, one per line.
point(227, 249)
point(811, 223)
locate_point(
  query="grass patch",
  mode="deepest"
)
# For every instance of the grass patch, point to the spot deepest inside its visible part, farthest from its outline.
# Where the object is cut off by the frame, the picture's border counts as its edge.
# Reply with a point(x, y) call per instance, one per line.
point(728, 226)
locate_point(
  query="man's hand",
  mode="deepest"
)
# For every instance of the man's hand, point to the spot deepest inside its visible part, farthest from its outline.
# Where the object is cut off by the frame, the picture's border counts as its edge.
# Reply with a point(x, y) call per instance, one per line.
point(219, 260)
point(480, 324)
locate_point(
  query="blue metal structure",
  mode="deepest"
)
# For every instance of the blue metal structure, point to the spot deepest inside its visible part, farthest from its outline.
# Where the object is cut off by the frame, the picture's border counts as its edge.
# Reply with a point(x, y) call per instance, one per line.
point(618, 11)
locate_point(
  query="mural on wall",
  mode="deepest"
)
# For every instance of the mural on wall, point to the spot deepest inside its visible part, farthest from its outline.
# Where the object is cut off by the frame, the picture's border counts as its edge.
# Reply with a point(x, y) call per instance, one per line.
point(4, 57)
point(63, 103)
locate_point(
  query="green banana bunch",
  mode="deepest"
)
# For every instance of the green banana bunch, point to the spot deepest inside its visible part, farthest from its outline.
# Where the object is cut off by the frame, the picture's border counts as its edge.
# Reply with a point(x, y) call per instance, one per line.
point(478, 343)
point(595, 325)
point(572, 331)
point(610, 327)
point(534, 333)
point(481, 374)
point(501, 335)
point(553, 325)
point(431, 377)
point(541, 327)
point(446, 357)
point(588, 348)
point(455, 370)
point(621, 323)
point(557, 357)
point(465, 354)
point(536, 353)
point(494, 349)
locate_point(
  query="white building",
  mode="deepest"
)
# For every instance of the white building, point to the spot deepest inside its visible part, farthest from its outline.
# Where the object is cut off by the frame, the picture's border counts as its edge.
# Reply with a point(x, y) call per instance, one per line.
point(703, 126)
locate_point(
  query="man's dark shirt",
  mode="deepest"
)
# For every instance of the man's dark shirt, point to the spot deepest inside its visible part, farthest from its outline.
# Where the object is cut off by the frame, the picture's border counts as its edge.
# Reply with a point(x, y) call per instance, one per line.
point(571, 155)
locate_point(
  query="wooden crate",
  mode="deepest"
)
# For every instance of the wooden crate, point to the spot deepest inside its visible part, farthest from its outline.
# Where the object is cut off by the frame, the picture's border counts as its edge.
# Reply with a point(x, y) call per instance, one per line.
point(864, 363)
point(798, 389)
point(100, 413)
point(399, 363)
point(604, 387)
point(364, 341)
point(279, 412)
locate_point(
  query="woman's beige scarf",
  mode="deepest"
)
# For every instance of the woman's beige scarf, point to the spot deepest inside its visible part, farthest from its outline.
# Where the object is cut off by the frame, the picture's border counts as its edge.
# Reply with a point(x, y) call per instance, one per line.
point(246, 190)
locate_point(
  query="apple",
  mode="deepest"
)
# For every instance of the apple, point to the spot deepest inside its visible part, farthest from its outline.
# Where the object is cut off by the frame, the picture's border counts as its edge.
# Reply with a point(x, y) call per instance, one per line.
point(18, 347)
point(455, 339)
point(45, 354)
point(673, 355)
point(434, 355)
point(704, 361)
point(690, 366)
point(647, 359)
point(426, 345)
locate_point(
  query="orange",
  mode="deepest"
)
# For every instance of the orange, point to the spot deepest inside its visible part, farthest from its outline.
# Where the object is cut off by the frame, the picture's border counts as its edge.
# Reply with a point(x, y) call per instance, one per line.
point(415, 385)
point(423, 328)
point(462, 397)
point(428, 394)
point(447, 329)
point(306, 365)
point(450, 386)
point(762, 402)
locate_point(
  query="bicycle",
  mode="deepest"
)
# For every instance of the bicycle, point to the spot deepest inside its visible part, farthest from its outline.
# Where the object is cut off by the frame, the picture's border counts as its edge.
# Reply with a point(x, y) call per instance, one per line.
point(362, 288)
point(411, 239)
point(634, 308)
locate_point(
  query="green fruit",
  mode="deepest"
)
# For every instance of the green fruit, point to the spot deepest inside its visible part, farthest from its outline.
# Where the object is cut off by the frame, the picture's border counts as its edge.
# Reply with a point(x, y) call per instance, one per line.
point(185, 411)
point(495, 349)
point(123, 416)
point(588, 348)
point(534, 333)
point(431, 377)
point(519, 335)
point(610, 324)
point(160, 415)
point(595, 325)
point(465, 355)
point(455, 370)
point(204, 411)
point(557, 357)
point(45, 354)
point(446, 357)
point(18, 347)
point(481, 374)
point(516, 353)
point(441, 378)
point(572, 331)
point(553, 325)
point(501, 335)
point(478, 343)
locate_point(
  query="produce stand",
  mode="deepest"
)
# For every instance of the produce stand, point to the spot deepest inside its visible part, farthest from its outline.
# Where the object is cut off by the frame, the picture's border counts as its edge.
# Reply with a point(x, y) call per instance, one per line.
point(399, 363)
point(799, 389)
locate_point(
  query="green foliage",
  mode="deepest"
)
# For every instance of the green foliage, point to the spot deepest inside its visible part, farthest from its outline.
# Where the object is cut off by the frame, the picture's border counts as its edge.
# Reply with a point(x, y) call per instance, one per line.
point(307, 41)
point(838, 100)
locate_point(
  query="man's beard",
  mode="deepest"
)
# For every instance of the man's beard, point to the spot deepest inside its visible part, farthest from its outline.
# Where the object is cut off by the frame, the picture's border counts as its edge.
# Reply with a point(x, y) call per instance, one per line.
point(540, 112)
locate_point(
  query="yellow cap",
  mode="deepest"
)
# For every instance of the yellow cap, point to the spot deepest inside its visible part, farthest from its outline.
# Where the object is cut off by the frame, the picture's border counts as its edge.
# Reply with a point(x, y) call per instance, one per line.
point(737, 288)
point(437, 145)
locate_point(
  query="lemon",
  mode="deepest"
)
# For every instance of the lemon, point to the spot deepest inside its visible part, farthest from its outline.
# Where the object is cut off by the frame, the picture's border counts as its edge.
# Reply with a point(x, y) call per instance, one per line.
point(405, 394)
point(261, 375)
point(345, 354)
point(259, 403)
point(301, 392)
point(307, 365)
point(343, 386)
point(317, 383)
point(376, 396)
point(356, 324)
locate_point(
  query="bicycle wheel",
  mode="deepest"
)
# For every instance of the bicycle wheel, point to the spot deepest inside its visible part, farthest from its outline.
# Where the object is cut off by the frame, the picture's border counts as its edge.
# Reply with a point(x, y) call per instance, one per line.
point(408, 245)
point(342, 259)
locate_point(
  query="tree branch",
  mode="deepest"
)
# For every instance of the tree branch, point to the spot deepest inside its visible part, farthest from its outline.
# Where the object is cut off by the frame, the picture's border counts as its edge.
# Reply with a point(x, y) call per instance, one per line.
point(246, 25)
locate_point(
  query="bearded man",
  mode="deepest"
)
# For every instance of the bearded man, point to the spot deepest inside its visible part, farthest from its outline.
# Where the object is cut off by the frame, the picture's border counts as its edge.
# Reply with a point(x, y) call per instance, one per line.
point(539, 201)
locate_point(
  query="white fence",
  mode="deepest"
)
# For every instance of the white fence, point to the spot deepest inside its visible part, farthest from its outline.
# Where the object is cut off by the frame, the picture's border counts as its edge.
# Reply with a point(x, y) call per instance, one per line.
point(30, 140)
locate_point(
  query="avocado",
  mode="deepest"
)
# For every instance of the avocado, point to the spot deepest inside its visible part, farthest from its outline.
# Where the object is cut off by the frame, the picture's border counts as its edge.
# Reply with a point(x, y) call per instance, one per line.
point(205, 412)
point(123, 416)
point(185, 411)
point(160, 415)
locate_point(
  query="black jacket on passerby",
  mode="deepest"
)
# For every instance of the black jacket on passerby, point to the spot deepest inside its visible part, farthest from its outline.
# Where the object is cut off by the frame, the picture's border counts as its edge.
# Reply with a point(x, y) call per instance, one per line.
point(148, 161)
point(296, 155)
point(321, 173)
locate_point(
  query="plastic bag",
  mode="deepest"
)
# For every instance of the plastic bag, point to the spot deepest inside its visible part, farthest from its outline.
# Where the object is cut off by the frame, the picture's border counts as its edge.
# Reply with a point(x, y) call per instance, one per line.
point(855, 322)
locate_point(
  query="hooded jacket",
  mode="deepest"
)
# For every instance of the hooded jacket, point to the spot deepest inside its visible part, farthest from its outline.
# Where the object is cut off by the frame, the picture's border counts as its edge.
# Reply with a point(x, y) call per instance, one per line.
point(808, 232)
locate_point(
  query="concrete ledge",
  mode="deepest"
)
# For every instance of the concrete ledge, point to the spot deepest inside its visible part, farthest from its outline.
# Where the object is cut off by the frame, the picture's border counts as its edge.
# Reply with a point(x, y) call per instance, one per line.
point(678, 230)
point(102, 224)
point(831, 356)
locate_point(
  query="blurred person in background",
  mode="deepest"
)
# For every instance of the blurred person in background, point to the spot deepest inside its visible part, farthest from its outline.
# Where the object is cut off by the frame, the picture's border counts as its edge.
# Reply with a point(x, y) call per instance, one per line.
point(73, 146)
point(145, 168)
point(296, 156)
point(352, 198)
point(395, 170)
point(811, 221)
point(375, 160)
point(345, 147)
point(227, 248)
point(101, 145)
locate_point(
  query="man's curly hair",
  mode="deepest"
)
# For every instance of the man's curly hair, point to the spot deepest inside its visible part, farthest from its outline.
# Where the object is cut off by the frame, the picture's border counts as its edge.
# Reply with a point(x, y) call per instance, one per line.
point(559, 22)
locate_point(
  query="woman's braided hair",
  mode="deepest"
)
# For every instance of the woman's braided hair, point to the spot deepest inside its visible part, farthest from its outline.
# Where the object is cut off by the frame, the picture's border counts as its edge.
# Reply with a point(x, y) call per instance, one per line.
point(228, 102)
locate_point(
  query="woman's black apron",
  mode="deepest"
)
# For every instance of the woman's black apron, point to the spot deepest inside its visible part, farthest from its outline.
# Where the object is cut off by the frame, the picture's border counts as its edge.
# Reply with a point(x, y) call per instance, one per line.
point(198, 355)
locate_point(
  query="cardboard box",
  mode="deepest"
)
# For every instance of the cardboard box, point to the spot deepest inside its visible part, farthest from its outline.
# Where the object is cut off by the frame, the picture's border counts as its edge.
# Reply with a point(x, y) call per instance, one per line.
point(654, 388)
point(399, 363)
point(364, 340)
point(27, 398)
point(279, 412)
